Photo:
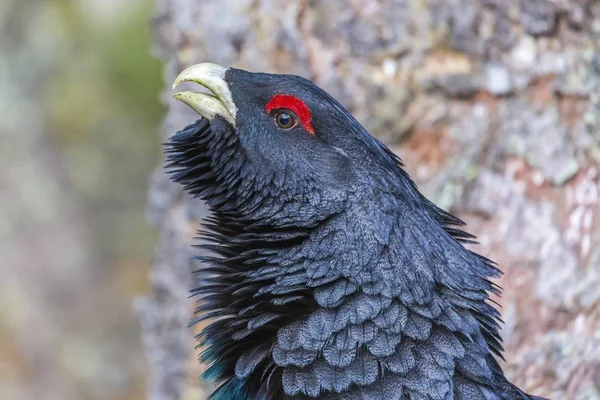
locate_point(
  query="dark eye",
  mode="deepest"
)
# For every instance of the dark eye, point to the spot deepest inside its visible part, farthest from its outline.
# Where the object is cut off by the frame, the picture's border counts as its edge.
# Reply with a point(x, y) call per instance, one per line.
point(285, 119)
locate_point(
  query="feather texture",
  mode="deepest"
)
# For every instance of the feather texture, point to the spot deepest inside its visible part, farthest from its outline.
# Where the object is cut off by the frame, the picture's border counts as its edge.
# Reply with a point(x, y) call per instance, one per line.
point(316, 291)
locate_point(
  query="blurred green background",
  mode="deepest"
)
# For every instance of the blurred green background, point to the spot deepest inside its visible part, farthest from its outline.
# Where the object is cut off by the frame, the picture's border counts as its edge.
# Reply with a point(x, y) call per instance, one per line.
point(79, 118)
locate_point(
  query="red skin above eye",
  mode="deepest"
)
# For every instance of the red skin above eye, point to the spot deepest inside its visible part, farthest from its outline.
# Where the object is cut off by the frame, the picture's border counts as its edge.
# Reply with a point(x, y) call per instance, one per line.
point(295, 105)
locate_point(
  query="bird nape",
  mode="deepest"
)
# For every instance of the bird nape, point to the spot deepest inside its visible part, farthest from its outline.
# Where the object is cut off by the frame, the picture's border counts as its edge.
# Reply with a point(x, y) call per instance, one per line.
point(327, 274)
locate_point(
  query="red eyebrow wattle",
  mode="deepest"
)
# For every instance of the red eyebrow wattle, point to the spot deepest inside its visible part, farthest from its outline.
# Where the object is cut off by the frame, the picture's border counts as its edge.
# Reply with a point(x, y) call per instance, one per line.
point(295, 105)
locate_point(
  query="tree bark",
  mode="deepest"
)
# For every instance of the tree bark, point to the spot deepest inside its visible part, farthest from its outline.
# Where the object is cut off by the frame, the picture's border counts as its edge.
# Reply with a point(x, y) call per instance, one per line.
point(494, 105)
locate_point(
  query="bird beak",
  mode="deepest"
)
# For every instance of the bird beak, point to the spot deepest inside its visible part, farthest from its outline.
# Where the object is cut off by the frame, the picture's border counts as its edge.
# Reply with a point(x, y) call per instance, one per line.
point(212, 77)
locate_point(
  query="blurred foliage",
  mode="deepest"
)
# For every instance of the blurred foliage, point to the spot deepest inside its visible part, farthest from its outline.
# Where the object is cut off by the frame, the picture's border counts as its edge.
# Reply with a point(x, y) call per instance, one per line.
point(104, 111)
point(79, 117)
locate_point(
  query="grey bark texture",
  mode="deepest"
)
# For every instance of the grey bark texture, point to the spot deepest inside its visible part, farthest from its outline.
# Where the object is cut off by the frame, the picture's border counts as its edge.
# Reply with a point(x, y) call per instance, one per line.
point(494, 105)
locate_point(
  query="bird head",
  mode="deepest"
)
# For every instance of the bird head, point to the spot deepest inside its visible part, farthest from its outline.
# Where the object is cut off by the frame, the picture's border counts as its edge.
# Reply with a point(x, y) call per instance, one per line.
point(283, 133)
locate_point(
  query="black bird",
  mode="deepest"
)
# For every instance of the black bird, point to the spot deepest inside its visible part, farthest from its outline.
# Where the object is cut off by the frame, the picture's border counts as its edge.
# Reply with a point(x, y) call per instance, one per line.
point(329, 276)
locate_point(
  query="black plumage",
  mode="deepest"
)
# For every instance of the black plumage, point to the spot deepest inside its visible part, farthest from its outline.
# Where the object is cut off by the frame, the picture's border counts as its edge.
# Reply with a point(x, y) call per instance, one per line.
point(327, 274)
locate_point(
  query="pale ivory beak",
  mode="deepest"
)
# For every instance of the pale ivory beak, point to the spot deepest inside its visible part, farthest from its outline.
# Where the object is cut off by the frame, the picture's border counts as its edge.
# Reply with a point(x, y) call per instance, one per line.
point(212, 77)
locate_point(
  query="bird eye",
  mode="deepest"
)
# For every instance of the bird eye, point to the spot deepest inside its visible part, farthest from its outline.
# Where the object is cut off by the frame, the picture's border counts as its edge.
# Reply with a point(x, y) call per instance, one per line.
point(285, 119)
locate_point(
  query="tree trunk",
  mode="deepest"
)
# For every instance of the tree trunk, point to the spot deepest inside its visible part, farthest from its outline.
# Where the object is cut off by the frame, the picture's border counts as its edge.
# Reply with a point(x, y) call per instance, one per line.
point(493, 105)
